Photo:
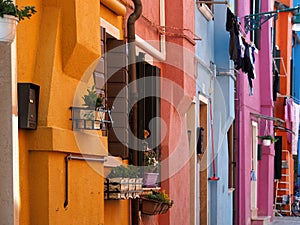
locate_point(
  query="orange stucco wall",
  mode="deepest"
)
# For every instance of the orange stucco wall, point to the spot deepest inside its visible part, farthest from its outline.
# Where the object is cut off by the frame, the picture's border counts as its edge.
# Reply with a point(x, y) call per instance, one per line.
point(285, 42)
point(58, 49)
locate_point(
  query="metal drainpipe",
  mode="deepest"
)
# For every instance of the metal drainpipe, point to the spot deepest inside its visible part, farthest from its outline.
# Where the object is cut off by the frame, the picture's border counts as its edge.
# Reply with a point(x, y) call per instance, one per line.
point(132, 76)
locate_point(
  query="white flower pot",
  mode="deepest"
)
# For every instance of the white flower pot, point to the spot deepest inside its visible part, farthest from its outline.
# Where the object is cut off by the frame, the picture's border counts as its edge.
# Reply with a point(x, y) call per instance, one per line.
point(266, 142)
point(8, 28)
point(150, 179)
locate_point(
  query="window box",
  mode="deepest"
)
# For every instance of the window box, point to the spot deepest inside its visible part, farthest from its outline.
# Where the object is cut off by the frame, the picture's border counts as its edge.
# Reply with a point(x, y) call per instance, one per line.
point(89, 118)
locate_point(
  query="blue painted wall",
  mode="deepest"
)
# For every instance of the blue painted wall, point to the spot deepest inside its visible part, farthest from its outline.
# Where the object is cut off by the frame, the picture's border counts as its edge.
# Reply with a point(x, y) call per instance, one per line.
point(296, 80)
point(215, 80)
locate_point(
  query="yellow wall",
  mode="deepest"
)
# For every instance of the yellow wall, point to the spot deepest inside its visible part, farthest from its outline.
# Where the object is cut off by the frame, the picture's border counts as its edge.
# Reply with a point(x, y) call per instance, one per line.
point(58, 49)
point(47, 182)
point(58, 46)
point(116, 212)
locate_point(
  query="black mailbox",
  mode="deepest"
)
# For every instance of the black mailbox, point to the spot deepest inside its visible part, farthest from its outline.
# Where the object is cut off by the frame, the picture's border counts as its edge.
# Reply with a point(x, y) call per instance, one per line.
point(28, 101)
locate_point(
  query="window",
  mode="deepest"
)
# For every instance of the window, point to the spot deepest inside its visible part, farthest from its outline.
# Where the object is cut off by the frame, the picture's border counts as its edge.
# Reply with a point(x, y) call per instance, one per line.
point(255, 34)
point(149, 104)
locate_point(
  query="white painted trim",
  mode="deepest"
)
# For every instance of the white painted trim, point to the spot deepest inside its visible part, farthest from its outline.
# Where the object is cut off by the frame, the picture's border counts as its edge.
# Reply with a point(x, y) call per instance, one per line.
point(254, 161)
point(158, 54)
point(231, 190)
point(111, 29)
point(203, 99)
point(204, 65)
point(205, 10)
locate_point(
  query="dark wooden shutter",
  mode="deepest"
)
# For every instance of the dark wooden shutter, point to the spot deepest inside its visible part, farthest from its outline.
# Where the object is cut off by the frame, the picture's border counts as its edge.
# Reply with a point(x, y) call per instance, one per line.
point(278, 158)
point(117, 81)
point(99, 72)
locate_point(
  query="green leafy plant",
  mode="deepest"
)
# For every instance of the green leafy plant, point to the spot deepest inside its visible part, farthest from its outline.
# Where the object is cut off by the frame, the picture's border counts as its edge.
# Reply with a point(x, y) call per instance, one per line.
point(268, 137)
point(128, 171)
point(160, 196)
point(92, 99)
point(7, 7)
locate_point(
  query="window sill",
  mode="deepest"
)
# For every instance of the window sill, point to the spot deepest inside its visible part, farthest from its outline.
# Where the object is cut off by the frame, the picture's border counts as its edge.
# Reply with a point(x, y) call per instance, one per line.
point(206, 12)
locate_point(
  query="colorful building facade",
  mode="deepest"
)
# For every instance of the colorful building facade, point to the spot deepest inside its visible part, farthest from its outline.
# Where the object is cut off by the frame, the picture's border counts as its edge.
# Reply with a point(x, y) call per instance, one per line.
point(215, 114)
point(295, 71)
point(180, 81)
point(57, 174)
point(285, 108)
point(58, 171)
point(254, 112)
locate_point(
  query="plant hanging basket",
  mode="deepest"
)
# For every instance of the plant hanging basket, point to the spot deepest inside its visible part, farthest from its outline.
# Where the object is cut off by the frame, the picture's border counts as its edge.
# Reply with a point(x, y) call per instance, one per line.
point(8, 28)
point(266, 142)
point(150, 207)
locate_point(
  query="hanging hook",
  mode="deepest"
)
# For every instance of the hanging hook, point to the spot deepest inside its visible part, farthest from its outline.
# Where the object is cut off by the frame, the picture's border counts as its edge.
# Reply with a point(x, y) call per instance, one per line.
point(266, 128)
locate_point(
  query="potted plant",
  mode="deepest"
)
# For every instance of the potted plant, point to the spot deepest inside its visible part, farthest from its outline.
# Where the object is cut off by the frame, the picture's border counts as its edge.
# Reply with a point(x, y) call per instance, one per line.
point(267, 139)
point(93, 101)
point(158, 202)
point(10, 14)
point(117, 182)
point(123, 182)
point(151, 164)
point(151, 168)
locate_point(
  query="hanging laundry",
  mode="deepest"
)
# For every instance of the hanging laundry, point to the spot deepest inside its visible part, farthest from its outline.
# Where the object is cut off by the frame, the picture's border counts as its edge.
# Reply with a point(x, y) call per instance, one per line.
point(240, 51)
point(295, 128)
point(248, 66)
point(232, 27)
point(289, 116)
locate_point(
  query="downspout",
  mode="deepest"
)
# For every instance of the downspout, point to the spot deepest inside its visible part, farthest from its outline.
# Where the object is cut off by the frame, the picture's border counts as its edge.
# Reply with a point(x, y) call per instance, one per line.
point(132, 78)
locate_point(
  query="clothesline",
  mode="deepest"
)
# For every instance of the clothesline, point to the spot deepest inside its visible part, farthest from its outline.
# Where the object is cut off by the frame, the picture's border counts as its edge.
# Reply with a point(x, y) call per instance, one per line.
point(289, 96)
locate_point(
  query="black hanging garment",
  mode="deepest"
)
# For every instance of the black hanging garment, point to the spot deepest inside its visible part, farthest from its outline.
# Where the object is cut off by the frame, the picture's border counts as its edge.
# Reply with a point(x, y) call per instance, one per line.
point(248, 66)
point(233, 28)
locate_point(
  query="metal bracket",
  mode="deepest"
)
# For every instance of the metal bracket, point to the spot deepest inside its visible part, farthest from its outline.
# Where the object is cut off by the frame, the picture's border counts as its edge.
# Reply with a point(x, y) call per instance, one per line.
point(278, 120)
point(71, 157)
point(254, 21)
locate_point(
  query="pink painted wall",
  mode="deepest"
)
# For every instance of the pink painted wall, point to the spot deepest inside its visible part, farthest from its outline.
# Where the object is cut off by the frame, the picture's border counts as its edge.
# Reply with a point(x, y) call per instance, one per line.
point(179, 14)
point(266, 166)
point(179, 69)
point(259, 103)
